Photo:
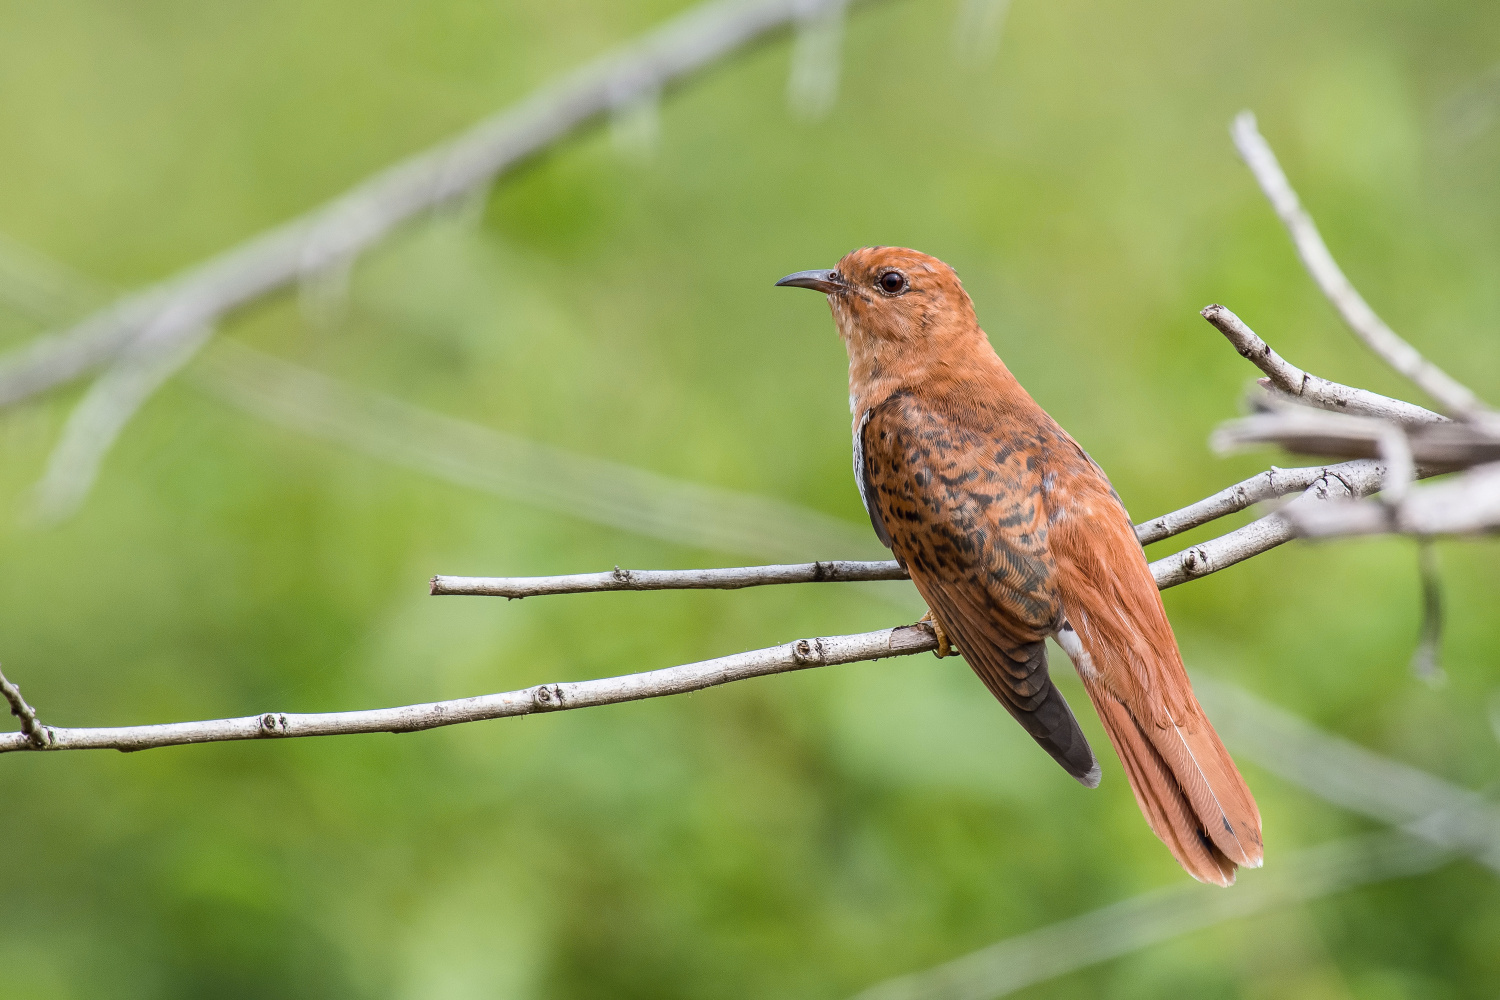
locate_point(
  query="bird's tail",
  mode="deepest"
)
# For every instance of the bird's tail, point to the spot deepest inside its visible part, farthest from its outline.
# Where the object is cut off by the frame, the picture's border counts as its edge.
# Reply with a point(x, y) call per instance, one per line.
point(1186, 785)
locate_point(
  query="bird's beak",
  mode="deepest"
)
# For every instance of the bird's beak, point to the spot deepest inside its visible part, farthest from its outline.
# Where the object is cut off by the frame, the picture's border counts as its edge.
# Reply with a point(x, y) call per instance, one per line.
point(818, 281)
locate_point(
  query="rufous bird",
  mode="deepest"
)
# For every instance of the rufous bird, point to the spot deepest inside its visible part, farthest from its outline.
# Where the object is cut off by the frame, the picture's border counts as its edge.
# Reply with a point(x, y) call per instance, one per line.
point(1013, 535)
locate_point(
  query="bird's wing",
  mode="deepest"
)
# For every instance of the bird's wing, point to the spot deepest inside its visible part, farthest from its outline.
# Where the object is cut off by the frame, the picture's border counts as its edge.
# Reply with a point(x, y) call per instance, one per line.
point(961, 507)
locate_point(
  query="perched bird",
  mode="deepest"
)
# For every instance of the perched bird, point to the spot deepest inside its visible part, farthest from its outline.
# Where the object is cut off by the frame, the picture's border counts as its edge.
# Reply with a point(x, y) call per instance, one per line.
point(1013, 535)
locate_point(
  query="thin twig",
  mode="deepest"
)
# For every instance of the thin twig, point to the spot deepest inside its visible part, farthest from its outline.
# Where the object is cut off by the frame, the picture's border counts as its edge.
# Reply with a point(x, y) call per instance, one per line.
point(812, 87)
point(33, 734)
point(1303, 387)
point(516, 587)
point(340, 229)
point(799, 655)
point(1453, 395)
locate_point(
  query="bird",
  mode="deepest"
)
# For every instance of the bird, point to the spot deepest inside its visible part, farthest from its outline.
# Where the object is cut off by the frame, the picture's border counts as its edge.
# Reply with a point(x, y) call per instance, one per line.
point(1013, 535)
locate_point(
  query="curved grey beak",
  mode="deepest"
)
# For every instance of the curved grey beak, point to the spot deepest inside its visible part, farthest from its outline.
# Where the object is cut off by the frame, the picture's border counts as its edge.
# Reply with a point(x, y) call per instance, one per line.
point(818, 281)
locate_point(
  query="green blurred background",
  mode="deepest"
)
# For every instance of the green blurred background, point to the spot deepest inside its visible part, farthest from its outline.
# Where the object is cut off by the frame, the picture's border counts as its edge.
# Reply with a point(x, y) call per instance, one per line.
point(798, 836)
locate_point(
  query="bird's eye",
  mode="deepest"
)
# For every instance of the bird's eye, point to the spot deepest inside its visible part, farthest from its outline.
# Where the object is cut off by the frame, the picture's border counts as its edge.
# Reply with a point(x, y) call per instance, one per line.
point(892, 282)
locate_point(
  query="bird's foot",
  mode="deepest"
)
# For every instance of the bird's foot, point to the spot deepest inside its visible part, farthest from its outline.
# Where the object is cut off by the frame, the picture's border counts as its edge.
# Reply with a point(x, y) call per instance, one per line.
point(945, 648)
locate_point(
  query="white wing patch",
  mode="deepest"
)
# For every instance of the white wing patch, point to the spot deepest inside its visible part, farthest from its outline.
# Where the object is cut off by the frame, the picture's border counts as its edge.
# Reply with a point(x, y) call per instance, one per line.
point(859, 457)
point(1073, 646)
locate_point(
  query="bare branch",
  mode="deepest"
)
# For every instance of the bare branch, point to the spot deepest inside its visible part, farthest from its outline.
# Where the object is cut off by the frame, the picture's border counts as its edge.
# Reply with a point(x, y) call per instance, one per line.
point(1268, 485)
point(1302, 387)
point(35, 735)
point(1455, 397)
point(516, 587)
point(799, 655)
point(1466, 504)
point(1191, 564)
point(1436, 447)
point(1351, 479)
point(1317, 483)
point(340, 229)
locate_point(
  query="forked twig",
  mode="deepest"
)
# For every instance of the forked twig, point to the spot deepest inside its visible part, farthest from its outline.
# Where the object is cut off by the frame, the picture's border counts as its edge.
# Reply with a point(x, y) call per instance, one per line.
point(1455, 397)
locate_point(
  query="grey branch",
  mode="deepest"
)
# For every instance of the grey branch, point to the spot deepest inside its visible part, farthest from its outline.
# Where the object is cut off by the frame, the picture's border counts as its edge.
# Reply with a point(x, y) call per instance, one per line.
point(33, 734)
point(339, 230)
point(1466, 504)
point(799, 655)
point(1268, 485)
point(1436, 447)
point(735, 578)
point(1191, 564)
point(1316, 484)
point(1455, 397)
point(1339, 482)
point(1286, 379)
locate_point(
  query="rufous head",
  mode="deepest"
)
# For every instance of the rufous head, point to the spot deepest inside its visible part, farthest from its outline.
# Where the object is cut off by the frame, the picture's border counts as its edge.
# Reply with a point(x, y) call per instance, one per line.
point(890, 295)
point(898, 311)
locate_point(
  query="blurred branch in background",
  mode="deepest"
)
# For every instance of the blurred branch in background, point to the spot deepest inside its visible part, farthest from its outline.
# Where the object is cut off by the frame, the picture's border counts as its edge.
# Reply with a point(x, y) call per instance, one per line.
point(1455, 397)
point(979, 27)
point(382, 427)
point(593, 489)
point(812, 87)
point(166, 321)
point(1435, 821)
point(1159, 916)
point(108, 405)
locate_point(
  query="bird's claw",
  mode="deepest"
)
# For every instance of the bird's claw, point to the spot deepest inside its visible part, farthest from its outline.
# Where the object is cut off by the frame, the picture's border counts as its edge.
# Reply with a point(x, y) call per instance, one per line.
point(944, 647)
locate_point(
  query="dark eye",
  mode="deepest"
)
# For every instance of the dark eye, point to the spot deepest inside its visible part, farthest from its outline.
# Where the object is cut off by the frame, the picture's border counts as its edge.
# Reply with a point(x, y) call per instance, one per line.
point(892, 282)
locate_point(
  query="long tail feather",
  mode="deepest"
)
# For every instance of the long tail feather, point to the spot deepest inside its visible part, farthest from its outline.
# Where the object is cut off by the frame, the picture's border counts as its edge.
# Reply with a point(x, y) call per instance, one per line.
point(1173, 815)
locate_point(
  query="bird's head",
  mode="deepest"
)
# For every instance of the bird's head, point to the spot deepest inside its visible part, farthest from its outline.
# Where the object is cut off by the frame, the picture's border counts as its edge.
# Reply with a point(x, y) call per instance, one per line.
point(899, 312)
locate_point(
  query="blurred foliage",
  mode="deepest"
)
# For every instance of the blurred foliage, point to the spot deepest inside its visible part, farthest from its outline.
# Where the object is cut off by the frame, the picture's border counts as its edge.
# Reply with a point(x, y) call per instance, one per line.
point(801, 836)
